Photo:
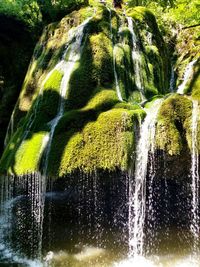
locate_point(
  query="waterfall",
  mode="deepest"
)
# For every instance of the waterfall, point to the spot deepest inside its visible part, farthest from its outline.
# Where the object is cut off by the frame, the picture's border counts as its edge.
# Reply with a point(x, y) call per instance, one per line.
point(21, 206)
point(66, 67)
point(195, 220)
point(186, 77)
point(34, 185)
point(137, 189)
point(137, 59)
point(114, 58)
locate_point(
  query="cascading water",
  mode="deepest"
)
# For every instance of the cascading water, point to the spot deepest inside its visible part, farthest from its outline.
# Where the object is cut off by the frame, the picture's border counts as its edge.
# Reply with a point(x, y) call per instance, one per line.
point(114, 58)
point(137, 59)
point(95, 200)
point(137, 189)
point(195, 186)
point(36, 183)
point(187, 76)
point(73, 52)
point(16, 213)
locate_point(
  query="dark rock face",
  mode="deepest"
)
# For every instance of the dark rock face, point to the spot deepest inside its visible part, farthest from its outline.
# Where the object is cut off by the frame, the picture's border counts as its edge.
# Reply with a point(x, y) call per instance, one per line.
point(16, 48)
point(172, 188)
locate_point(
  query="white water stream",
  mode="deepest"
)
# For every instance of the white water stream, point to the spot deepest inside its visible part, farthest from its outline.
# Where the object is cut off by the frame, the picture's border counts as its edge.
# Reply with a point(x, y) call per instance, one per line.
point(137, 189)
point(36, 183)
point(187, 76)
point(195, 186)
point(137, 59)
point(12, 215)
point(172, 80)
point(67, 68)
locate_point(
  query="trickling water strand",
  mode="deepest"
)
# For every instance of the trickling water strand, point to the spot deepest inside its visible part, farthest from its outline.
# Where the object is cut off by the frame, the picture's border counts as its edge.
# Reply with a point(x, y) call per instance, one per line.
point(149, 37)
point(137, 60)
point(61, 66)
point(36, 196)
point(10, 130)
point(9, 221)
point(114, 59)
point(187, 76)
point(67, 67)
point(36, 183)
point(195, 229)
point(172, 80)
point(150, 187)
point(137, 191)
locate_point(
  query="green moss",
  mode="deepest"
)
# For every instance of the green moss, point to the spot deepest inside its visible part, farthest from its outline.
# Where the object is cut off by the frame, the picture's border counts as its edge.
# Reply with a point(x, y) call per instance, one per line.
point(128, 106)
point(139, 13)
point(187, 52)
point(124, 69)
point(46, 104)
point(155, 73)
point(93, 143)
point(53, 82)
point(27, 158)
point(195, 82)
point(151, 101)
point(7, 161)
point(94, 68)
point(174, 122)
point(154, 54)
point(102, 99)
point(23, 153)
point(143, 15)
point(96, 130)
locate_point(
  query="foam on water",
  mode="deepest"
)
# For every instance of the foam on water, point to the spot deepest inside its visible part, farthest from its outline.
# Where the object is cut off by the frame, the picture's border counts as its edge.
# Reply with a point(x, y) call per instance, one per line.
point(137, 261)
point(159, 261)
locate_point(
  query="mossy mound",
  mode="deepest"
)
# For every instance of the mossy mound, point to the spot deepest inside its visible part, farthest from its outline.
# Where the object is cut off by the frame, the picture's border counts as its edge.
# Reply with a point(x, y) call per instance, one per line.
point(93, 141)
point(174, 127)
point(95, 129)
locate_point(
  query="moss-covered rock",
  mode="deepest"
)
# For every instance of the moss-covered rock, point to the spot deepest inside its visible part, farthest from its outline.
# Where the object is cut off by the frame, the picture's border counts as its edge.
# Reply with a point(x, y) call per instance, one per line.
point(91, 141)
point(156, 55)
point(95, 130)
point(187, 50)
point(174, 124)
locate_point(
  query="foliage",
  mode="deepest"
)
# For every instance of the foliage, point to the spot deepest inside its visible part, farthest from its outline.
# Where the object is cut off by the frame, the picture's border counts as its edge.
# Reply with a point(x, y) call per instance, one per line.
point(55, 9)
point(183, 12)
point(34, 13)
point(27, 11)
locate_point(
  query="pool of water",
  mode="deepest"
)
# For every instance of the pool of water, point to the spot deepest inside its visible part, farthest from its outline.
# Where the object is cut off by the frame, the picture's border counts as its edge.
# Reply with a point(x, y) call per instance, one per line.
point(79, 232)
